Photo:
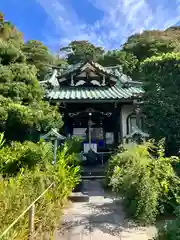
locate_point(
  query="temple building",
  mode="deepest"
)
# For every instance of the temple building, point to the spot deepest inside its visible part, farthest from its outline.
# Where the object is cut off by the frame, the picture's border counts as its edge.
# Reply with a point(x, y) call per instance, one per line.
point(100, 104)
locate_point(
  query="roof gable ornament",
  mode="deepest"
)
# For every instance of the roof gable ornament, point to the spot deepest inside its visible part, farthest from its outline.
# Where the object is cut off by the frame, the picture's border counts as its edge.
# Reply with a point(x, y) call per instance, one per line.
point(91, 69)
point(51, 80)
point(87, 66)
point(72, 79)
point(80, 83)
point(93, 82)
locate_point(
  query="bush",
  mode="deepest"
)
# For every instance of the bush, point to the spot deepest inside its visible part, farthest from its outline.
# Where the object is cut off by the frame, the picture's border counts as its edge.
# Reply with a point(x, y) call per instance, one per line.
point(148, 184)
point(71, 148)
point(74, 144)
point(171, 231)
point(18, 191)
point(24, 155)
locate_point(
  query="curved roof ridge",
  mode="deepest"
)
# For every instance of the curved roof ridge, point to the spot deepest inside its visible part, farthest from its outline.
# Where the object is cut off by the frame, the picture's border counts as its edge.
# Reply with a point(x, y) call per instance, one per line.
point(52, 80)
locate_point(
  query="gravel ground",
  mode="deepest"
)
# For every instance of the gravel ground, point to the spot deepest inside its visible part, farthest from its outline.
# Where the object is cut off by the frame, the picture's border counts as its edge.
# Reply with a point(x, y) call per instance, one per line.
point(102, 216)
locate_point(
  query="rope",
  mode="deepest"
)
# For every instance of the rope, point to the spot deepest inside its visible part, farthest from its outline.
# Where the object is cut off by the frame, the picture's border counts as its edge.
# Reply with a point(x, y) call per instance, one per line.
point(22, 214)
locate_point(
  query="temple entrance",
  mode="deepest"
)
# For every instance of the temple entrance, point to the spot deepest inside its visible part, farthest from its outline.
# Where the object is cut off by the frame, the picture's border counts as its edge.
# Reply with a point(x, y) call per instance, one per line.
point(93, 127)
point(98, 128)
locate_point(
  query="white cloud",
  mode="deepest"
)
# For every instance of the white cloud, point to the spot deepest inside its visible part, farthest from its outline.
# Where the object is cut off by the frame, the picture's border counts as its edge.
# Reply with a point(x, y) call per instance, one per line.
point(122, 18)
point(67, 24)
point(125, 17)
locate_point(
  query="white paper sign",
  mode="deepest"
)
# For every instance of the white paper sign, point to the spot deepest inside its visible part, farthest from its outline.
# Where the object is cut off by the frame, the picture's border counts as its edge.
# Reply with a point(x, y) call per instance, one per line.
point(109, 138)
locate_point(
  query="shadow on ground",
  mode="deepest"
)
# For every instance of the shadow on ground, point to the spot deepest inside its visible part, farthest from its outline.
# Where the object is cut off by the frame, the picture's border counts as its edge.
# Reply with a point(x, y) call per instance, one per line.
point(107, 217)
point(103, 214)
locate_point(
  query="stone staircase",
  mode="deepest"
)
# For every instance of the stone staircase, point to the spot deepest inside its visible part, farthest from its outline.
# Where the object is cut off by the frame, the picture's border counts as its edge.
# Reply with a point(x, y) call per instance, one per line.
point(96, 172)
point(89, 177)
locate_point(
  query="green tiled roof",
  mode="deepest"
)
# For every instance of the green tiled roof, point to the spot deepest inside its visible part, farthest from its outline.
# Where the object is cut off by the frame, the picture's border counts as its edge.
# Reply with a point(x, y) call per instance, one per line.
point(70, 69)
point(115, 71)
point(107, 70)
point(124, 87)
point(95, 93)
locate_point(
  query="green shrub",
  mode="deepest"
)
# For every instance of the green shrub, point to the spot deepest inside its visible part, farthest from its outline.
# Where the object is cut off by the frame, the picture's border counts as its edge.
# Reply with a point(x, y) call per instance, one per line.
point(171, 230)
point(148, 184)
point(18, 191)
point(24, 155)
point(1, 139)
point(74, 144)
point(71, 148)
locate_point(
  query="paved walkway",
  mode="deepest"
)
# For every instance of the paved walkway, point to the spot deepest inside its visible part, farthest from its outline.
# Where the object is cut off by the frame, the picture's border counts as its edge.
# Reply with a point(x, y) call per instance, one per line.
point(100, 218)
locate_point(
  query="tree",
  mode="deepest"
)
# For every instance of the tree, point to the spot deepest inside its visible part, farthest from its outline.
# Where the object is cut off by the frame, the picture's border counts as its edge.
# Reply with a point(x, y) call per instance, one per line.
point(78, 51)
point(117, 57)
point(151, 43)
point(38, 54)
point(10, 53)
point(18, 79)
point(25, 122)
point(19, 82)
point(23, 113)
point(173, 32)
point(162, 98)
point(8, 32)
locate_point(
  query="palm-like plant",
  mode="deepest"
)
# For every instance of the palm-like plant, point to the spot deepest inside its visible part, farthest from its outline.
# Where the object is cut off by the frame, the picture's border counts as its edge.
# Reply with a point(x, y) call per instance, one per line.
point(1, 139)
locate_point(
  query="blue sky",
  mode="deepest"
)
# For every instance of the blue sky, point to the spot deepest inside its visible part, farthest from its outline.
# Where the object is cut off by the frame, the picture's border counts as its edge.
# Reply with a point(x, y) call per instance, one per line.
point(103, 22)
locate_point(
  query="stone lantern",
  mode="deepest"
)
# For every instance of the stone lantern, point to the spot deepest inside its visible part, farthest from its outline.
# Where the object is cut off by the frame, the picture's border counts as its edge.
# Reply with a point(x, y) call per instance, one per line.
point(54, 137)
point(136, 136)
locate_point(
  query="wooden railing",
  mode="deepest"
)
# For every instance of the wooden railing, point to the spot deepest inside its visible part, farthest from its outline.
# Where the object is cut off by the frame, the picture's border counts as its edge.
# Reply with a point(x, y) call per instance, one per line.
point(31, 209)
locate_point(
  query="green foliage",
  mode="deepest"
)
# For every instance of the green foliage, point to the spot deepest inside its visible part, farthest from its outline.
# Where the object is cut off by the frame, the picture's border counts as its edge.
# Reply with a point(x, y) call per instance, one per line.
point(23, 155)
point(46, 116)
point(116, 57)
point(22, 122)
point(171, 230)
point(19, 82)
point(162, 97)
point(16, 193)
point(8, 32)
point(1, 139)
point(81, 51)
point(37, 54)
point(10, 53)
point(148, 184)
point(72, 148)
point(23, 113)
point(74, 144)
point(151, 43)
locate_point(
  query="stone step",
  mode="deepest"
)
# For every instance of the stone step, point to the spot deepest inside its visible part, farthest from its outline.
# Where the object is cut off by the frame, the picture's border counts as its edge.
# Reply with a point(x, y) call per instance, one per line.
point(78, 197)
point(90, 177)
point(98, 173)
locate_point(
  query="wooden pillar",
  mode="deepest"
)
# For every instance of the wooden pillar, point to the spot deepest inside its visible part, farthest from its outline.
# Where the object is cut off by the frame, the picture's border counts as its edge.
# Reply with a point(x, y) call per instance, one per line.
point(31, 222)
point(72, 80)
point(55, 149)
point(116, 120)
point(120, 123)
